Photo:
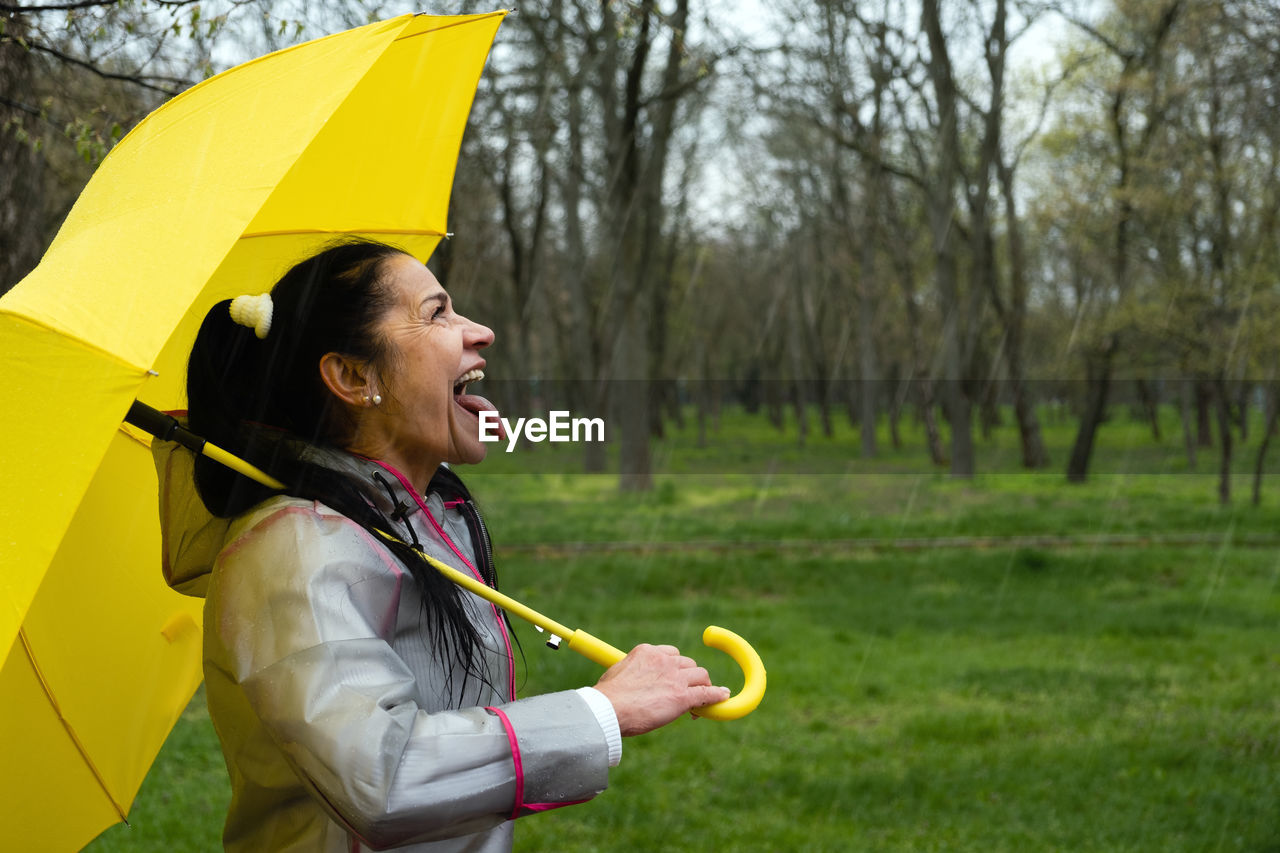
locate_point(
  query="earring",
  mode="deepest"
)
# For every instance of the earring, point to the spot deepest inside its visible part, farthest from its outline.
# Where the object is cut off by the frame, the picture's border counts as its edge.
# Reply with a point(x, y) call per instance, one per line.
point(377, 399)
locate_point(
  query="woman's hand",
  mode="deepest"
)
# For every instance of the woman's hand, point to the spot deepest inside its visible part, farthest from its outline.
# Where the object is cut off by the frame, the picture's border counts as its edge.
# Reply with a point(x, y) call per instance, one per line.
point(654, 685)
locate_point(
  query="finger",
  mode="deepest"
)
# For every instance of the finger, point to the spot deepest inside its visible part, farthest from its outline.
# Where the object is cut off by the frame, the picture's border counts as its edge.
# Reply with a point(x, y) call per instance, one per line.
point(709, 695)
point(668, 650)
point(698, 677)
point(687, 663)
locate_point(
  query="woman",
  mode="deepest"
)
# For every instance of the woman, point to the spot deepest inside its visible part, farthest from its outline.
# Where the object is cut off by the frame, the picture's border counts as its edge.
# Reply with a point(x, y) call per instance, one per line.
point(362, 700)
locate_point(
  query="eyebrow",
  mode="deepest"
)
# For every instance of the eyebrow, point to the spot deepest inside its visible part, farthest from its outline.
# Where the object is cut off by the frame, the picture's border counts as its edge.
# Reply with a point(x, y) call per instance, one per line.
point(441, 297)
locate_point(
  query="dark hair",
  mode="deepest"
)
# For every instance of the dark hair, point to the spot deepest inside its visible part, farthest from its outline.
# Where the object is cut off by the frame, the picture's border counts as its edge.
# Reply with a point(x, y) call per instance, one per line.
point(264, 400)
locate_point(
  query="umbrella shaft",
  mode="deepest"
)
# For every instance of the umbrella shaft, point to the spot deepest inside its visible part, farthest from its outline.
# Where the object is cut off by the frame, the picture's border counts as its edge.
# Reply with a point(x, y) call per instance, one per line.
point(168, 428)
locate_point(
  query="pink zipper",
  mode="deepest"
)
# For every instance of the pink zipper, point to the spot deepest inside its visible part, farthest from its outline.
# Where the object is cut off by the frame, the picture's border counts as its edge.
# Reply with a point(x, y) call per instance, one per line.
point(502, 626)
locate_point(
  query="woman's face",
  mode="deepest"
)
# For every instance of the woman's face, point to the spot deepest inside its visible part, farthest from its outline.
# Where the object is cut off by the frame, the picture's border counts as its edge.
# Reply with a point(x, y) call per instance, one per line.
point(425, 416)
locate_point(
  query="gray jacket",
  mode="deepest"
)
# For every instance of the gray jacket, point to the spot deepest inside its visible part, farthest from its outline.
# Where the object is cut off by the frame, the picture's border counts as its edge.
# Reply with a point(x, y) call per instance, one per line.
point(335, 717)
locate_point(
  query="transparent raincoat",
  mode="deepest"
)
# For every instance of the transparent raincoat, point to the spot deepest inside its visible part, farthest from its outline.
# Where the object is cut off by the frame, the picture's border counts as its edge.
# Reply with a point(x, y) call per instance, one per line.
point(340, 727)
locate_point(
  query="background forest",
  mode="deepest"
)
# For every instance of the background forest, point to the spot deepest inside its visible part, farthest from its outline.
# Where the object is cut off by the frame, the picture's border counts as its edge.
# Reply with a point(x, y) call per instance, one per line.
point(953, 212)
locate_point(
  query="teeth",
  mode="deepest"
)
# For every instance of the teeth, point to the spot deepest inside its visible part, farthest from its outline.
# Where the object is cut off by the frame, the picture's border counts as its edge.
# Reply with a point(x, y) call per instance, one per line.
point(460, 384)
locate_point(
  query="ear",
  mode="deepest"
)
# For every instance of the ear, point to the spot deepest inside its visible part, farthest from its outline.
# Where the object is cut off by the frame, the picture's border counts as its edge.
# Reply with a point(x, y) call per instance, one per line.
point(349, 380)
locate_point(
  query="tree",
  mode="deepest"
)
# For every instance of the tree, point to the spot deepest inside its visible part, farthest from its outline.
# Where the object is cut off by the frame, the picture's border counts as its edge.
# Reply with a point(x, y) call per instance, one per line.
point(75, 76)
point(995, 161)
point(1135, 39)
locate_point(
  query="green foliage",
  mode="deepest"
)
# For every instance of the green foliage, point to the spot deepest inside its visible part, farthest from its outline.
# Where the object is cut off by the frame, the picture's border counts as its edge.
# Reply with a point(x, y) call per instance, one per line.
point(90, 144)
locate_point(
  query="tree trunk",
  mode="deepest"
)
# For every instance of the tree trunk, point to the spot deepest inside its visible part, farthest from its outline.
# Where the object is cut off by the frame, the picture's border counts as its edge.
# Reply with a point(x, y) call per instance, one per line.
point(919, 379)
point(658, 404)
point(1224, 437)
point(1150, 406)
point(800, 403)
point(583, 339)
point(1034, 454)
point(928, 414)
point(865, 294)
point(1098, 371)
point(634, 462)
point(702, 399)
point(959, 412)
point(942, 212)
point(1204, 414)
point(1268, 430)
point(895, 416)
point(824, 408)
point(989, 409)
point(595, 459)
point(773, 404)
point(868, 379)
point(1185, 393)
point(1243, 391)
point(637, 157)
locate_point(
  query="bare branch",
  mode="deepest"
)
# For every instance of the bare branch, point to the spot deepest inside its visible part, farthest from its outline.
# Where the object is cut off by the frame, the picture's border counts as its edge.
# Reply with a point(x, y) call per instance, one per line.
point(21, 107)
point(1094, 33)
point(143, 81)
point(56, 7)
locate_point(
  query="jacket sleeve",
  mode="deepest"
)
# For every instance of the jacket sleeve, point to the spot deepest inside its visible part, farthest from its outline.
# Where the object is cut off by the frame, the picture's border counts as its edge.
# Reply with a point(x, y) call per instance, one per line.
point(305, 604)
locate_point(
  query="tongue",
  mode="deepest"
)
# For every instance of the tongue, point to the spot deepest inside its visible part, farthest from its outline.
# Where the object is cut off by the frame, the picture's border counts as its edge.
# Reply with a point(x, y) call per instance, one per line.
point(476, 404)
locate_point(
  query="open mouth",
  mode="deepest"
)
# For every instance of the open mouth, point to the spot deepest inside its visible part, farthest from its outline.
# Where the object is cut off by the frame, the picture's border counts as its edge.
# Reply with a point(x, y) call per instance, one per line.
point(474, 403)
point(460, 384)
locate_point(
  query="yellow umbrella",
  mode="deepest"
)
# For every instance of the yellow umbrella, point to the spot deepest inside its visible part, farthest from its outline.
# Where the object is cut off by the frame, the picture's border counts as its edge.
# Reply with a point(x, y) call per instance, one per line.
point(213, 195)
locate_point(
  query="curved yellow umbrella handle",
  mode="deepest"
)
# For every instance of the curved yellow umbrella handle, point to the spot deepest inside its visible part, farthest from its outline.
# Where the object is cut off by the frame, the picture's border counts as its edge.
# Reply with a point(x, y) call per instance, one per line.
point(595, 649)
point(752, 668)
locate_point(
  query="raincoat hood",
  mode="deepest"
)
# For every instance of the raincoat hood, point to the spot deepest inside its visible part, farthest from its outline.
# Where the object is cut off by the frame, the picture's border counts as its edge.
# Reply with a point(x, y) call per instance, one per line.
point(191, 535)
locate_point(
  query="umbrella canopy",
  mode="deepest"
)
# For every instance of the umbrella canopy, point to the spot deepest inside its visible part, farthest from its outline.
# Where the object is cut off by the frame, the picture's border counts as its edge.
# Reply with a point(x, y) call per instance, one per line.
point(213, 195)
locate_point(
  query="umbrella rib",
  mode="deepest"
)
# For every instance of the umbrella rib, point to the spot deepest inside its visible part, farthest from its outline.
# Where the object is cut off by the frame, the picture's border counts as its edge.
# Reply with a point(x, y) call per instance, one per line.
point(90, 345)
point(451, 24)
point(416, 232)
point(66, 724)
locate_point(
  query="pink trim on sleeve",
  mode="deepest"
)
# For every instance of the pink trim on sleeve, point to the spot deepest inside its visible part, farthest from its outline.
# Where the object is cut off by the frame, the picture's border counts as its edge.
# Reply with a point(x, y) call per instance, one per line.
point(531, 808)
point(515, 756)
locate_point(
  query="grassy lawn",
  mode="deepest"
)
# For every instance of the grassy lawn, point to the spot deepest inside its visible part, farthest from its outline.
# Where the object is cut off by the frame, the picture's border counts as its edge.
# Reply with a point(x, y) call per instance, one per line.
point(1084, 697)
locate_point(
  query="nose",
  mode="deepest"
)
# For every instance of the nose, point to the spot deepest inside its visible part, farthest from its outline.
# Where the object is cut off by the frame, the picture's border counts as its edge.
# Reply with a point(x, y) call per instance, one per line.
point(477, 336)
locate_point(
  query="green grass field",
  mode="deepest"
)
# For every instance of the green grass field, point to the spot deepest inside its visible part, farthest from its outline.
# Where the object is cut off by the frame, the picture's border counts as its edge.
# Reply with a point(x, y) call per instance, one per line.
point(1115, 689)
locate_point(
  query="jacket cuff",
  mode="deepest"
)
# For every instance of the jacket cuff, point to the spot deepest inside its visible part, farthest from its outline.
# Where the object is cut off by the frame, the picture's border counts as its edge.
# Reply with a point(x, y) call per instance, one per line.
point(559, 751)
point(608, 720)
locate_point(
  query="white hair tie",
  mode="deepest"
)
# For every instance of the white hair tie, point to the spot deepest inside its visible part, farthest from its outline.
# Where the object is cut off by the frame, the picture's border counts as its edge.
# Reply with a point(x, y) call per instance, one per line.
point(253, 312)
